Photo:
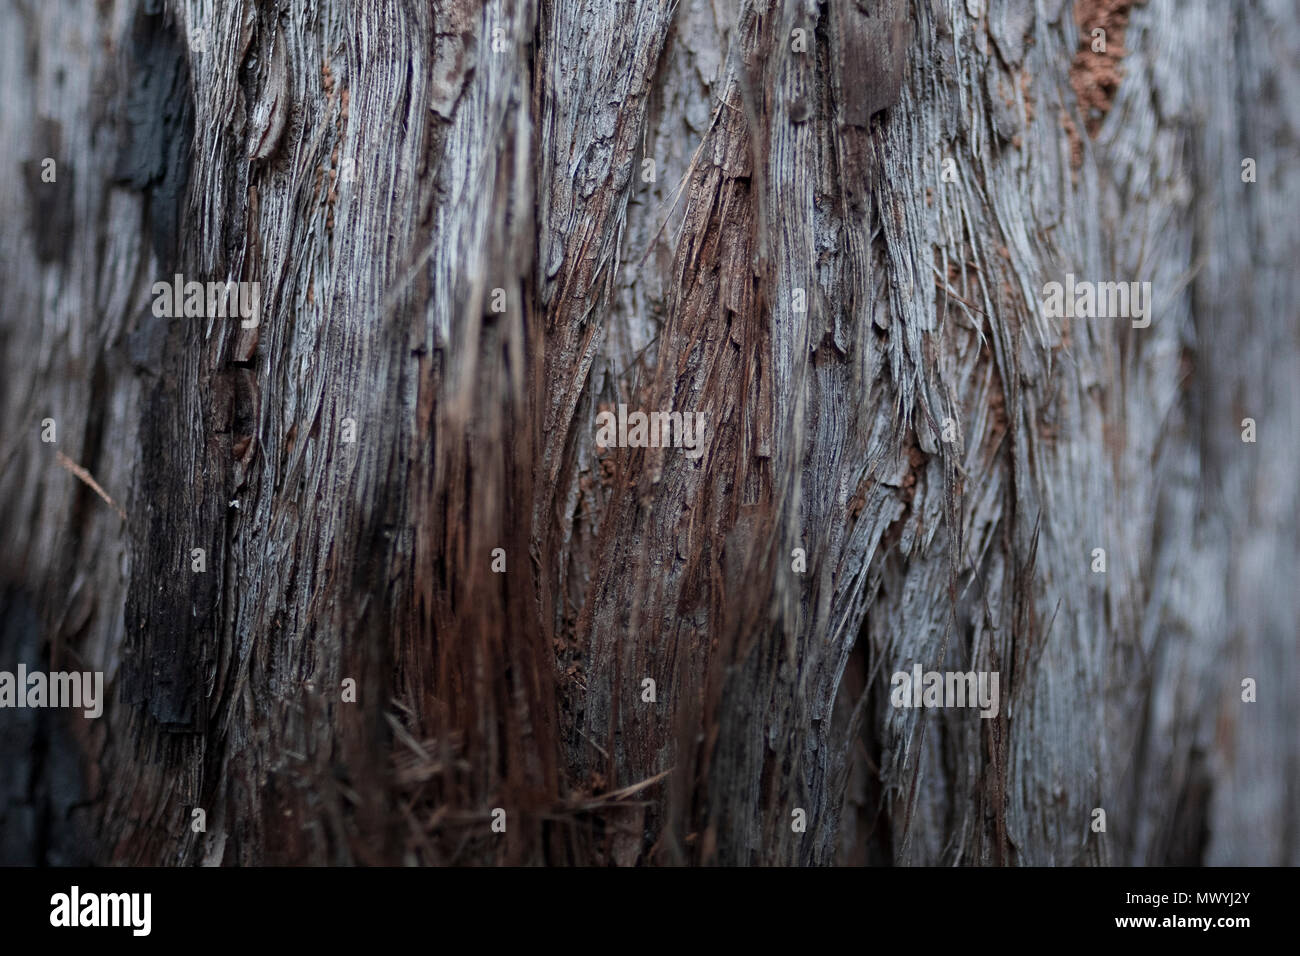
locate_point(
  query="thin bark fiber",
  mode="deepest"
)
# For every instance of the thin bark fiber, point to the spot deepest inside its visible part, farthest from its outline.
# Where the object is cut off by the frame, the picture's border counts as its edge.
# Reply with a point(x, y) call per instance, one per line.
point(736, 209)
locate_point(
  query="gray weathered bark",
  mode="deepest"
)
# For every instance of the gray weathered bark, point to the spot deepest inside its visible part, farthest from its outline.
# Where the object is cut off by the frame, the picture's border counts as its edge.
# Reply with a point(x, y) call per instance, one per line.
point(684, 206)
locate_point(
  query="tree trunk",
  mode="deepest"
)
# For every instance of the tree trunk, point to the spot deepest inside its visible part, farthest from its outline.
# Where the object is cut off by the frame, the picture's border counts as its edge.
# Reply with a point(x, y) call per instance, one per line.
point(829, 229)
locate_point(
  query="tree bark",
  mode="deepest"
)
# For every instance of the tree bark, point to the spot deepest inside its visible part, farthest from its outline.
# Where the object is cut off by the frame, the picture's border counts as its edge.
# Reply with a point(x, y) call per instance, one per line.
point(828, 228)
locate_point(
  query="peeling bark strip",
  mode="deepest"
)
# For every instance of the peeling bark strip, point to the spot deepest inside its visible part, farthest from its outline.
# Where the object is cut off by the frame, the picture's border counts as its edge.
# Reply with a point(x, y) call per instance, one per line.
point(393, 582)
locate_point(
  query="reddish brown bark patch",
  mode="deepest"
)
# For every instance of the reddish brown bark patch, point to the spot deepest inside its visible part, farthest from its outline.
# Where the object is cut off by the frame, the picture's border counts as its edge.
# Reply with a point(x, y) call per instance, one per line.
point(1095, 75)
point(1076, 145)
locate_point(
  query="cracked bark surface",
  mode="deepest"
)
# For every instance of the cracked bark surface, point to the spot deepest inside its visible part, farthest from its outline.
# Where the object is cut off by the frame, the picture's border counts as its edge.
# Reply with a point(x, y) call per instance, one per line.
point(794, 264)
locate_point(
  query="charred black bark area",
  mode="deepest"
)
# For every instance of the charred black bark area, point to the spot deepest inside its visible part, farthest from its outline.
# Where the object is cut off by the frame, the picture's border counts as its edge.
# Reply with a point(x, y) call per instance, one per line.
point(172, 614)
point(157, 134)
point(171, 607)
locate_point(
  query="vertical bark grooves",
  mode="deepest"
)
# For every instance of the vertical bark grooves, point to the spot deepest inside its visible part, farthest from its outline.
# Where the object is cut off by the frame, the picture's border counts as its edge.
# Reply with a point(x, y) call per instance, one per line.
point(824, 226)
